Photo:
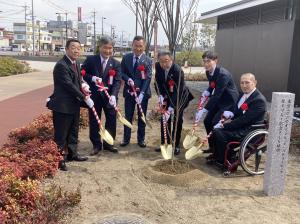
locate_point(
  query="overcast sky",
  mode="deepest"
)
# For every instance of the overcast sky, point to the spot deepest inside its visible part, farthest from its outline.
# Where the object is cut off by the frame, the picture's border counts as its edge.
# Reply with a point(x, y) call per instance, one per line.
point(116, 13)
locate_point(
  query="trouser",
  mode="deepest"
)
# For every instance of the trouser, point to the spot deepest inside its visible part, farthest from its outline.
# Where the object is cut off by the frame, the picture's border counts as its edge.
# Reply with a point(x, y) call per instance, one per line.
point(129, 112)
point(66, 127)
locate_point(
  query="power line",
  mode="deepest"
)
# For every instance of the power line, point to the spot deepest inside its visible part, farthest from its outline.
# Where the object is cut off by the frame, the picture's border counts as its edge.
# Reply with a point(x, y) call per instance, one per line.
point(10, 4)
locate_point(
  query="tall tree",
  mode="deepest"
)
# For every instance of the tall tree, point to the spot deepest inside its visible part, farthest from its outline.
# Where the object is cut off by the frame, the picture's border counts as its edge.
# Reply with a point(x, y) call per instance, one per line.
point(207, 37)
point(174, 16)
point(146, 15)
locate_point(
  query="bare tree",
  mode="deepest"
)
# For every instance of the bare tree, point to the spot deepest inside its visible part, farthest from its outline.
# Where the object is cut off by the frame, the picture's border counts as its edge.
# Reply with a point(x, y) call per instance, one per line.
point(174, 15)
point(189, 38)
point(146, 16)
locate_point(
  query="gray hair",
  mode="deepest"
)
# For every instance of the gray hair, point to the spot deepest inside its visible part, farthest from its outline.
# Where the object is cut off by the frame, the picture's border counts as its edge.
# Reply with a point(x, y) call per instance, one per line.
point(106, 40)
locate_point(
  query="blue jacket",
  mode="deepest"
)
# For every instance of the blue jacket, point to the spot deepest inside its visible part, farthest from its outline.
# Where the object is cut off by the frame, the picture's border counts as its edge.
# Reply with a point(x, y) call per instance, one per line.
point(127, 72)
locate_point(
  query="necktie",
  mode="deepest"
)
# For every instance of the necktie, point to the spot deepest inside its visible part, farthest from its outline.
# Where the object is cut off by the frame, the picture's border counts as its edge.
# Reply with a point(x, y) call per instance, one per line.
point(135, 64)
point(166, 75)
point(75, 67)
point(103, 66)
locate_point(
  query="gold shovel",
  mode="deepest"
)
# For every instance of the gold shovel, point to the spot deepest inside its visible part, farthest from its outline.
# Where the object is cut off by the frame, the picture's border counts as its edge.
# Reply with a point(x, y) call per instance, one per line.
point(194, 152)
point(104, 133)
point(123, 120)
point(166, 149)
point(190, 139)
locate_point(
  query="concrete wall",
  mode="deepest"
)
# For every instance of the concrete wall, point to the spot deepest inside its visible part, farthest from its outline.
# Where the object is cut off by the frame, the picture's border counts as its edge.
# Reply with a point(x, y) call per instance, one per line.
point(264, 50)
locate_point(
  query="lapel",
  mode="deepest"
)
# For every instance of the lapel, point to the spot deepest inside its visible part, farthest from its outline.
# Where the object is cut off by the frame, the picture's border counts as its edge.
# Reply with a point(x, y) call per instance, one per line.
point(216, 73)
point(69, 64)
point(248, 100)
point(130, 63)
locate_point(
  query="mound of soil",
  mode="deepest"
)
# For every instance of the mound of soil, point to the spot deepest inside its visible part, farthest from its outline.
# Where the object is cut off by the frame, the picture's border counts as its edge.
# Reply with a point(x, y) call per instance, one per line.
point(173, 168)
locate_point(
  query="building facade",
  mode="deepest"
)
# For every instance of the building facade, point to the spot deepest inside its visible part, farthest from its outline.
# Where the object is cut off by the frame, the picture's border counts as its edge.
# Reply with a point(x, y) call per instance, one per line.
point(262, 37)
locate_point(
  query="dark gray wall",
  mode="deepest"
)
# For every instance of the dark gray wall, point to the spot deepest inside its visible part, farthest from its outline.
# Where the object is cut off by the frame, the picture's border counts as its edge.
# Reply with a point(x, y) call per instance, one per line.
point(263, 49)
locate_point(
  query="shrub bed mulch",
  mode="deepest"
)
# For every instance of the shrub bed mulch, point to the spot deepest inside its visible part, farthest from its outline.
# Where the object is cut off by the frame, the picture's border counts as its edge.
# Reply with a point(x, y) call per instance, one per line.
point(29, 156)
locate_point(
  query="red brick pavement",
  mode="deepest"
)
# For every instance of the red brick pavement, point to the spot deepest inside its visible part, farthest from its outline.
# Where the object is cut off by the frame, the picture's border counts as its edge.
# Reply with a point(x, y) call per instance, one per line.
point(22, 109)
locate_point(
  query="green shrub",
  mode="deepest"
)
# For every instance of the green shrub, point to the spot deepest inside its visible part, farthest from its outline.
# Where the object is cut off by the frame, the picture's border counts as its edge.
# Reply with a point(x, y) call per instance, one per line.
point(195, 58)
point(195, 77)
point(11, 66)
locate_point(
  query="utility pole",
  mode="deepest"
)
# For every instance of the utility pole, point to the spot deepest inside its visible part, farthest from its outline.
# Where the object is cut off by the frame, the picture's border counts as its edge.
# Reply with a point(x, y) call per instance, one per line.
point(122, 36)
point(39, 36)
point(66, 27)
point(136, 15)
point(112, 32)
point(103, 18)
point(25, 7)
point(32, 19)
point(94, 13)
point(59, 13)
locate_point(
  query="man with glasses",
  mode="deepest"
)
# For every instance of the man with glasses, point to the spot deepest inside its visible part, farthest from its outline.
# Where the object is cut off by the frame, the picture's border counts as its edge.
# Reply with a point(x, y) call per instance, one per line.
point(222, 93)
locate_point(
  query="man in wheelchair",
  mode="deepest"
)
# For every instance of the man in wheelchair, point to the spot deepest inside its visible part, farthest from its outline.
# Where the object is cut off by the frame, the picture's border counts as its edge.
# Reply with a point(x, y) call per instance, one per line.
point(249, 111)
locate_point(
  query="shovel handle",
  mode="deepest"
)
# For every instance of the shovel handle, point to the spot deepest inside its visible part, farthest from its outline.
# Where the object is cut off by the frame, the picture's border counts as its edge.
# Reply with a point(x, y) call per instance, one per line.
point(97, 118)
point(165, 131)
point(136, 99)
point(108, 96)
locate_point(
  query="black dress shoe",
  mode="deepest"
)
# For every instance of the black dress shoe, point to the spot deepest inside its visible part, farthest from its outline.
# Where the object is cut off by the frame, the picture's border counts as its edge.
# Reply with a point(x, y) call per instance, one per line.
point(123, 144)
point(80, 158)
point(95, 151)
point(157, 150)
point(142, 144)
point(62, 165)
point(209, 150)
point(177, 151)
point(111, 149)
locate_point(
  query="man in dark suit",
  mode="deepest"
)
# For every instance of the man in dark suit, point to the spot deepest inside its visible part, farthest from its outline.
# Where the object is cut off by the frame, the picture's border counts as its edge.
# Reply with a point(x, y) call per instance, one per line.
point(173, 93)
point(221, 91)
point(249, 110)
point(103, 68)
point(136, 70)
point(65, 102)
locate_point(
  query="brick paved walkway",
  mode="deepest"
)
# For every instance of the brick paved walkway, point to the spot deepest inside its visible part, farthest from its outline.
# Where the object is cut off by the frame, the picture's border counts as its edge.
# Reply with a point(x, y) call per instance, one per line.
point(18, 111)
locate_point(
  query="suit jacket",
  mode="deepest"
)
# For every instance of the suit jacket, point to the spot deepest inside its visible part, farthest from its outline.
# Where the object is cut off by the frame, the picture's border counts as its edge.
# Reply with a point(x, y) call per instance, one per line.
point(255, 113)
point(224, 93)
point(162, 86)
point(67, 95)
point(93, 67)
point(127, 72)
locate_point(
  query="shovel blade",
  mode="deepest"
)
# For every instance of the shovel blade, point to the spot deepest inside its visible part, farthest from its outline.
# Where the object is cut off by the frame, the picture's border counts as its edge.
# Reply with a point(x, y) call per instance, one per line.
point(193, 152)
point(166, 151)
point(106, 136)
point(189, 141)
point(124, 121)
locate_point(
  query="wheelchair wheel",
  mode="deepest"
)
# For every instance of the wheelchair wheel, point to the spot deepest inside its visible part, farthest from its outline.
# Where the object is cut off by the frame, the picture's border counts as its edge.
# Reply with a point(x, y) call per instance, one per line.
point(252, 154)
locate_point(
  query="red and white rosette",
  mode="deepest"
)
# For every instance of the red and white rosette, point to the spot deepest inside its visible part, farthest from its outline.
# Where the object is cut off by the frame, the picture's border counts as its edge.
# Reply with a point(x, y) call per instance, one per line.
point(83, 72)
point(244, 107)
point(171, 85)
point(111, 74)
point(141, 68)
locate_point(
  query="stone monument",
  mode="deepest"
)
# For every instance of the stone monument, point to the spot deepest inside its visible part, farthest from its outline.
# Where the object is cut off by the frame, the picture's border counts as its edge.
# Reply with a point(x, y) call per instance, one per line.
point(280, 124)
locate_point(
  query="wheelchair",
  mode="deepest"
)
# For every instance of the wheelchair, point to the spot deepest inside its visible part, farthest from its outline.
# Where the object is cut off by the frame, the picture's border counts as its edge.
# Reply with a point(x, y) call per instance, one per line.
point(250, 154)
